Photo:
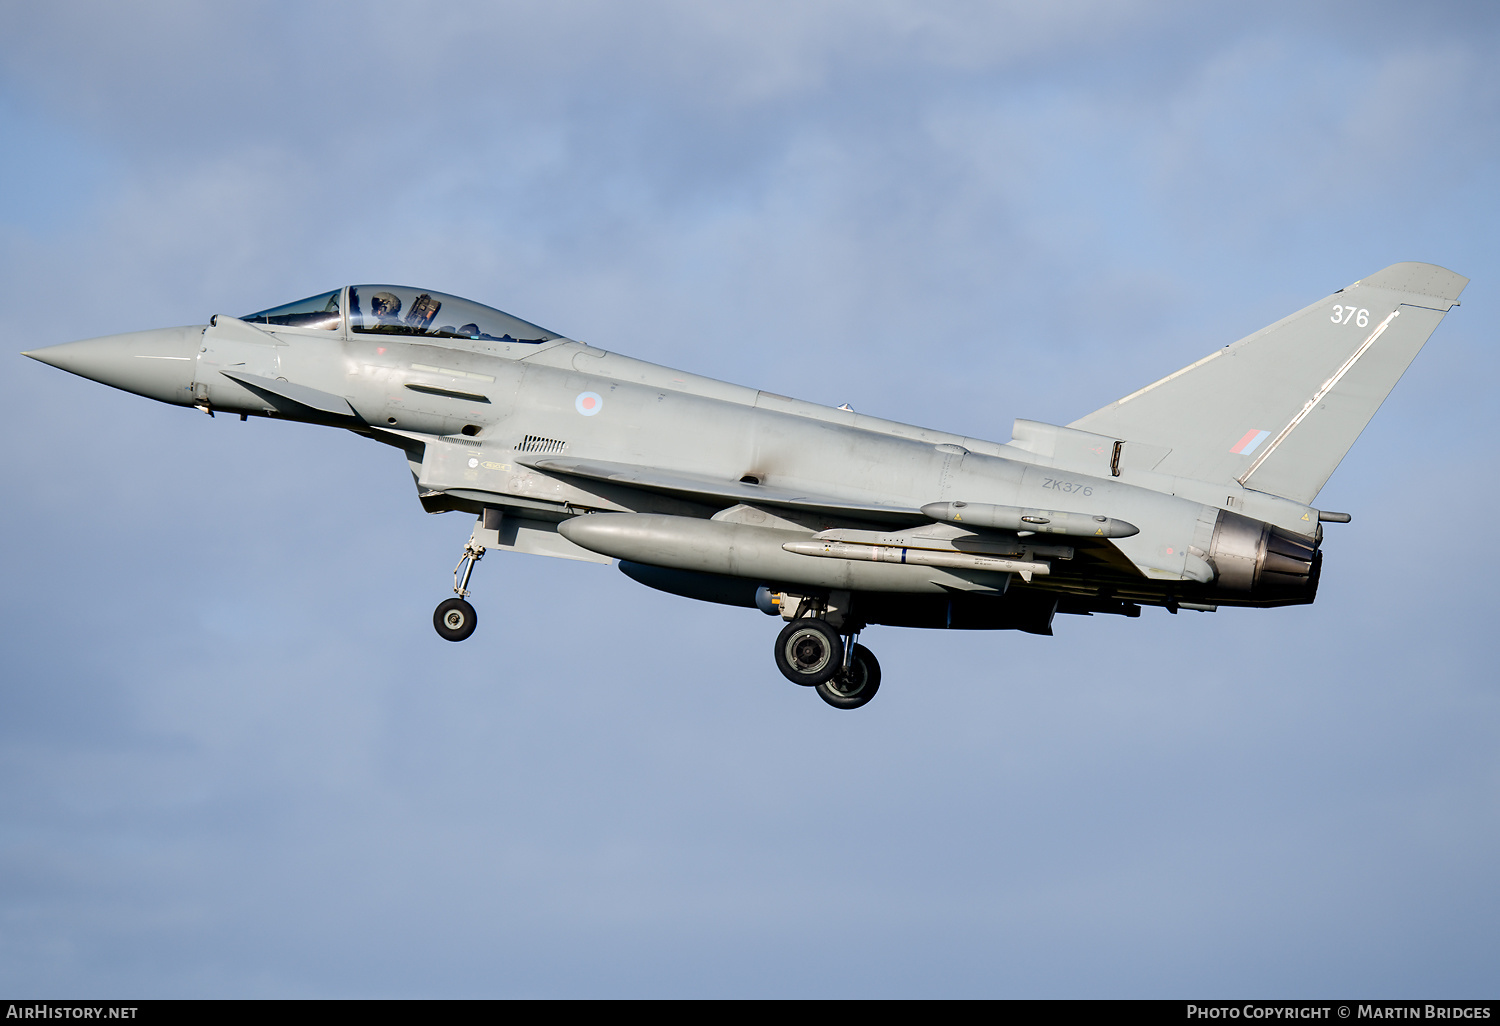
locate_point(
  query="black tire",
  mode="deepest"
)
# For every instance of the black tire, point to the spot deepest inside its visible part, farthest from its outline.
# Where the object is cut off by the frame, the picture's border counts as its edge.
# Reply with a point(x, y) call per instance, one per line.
point(853, 689)
point(808, 652)
point(454, 619)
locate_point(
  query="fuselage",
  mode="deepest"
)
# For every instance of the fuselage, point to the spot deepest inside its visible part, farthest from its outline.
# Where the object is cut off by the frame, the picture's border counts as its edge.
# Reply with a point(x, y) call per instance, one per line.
point(476, 415)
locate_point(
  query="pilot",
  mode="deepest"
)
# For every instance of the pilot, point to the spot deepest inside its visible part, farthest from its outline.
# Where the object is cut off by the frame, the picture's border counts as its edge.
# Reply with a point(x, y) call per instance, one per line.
point(469, 331)
point(384, 306)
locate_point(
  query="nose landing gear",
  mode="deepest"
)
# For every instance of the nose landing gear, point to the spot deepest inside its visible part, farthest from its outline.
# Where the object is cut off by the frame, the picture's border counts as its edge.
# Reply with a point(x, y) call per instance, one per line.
point(454, 619)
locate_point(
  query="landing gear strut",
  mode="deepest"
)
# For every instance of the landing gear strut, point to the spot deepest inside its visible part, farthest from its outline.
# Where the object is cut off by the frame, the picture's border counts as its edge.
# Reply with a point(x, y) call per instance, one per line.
point(454, 618)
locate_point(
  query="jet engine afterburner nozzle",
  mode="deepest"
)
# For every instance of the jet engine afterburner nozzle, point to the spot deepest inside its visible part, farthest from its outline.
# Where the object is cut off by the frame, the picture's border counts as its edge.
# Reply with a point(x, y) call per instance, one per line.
point(1264, 562)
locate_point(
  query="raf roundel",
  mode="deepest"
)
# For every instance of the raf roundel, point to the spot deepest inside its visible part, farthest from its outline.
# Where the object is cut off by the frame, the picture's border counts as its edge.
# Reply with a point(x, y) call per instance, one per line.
point(588, 403)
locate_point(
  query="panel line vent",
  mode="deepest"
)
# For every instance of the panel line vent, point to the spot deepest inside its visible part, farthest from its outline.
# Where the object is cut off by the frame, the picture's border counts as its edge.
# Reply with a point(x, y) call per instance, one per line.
point(449, 393)
point(536, 443)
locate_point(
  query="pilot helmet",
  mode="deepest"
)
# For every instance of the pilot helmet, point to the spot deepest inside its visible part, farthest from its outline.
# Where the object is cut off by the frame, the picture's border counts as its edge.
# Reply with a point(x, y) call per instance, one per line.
point(385, 304)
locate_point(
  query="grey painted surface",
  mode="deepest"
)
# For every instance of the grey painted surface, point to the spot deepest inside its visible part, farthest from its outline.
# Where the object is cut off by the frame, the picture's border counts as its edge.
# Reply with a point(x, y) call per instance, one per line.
point(1312, 381)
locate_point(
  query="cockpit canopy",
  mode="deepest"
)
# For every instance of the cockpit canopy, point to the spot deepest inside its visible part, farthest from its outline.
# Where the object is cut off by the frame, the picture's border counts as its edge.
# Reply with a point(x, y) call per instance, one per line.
point(399, 310)
point(314, 312)
point(402, 310)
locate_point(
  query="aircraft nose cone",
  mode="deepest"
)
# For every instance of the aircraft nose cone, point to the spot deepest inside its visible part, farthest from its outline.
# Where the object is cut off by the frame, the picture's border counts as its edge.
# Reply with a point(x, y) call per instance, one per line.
point(157, 364)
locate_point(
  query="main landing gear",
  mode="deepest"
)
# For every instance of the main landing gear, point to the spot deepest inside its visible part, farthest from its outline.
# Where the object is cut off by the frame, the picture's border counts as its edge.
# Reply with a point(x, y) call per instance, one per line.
point(810, 652)
point(454, 618)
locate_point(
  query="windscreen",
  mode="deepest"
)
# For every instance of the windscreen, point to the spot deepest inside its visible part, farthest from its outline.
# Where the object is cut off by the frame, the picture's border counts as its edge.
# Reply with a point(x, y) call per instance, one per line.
point(315, 312)
point(401, 310)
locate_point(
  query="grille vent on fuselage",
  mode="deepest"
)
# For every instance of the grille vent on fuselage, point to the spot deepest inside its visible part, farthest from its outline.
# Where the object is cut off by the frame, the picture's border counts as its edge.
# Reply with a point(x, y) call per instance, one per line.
point(536, 443)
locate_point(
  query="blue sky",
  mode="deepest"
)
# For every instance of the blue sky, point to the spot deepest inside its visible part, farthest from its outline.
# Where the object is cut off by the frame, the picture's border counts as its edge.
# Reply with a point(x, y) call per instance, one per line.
point(236, 760)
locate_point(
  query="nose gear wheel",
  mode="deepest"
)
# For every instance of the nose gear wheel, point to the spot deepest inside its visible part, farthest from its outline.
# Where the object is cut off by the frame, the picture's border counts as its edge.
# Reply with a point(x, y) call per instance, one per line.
point(454, 619)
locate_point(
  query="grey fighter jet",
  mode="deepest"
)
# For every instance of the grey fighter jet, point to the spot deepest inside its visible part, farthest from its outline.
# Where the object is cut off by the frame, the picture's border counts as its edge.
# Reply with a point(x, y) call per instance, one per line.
point(1193, 492)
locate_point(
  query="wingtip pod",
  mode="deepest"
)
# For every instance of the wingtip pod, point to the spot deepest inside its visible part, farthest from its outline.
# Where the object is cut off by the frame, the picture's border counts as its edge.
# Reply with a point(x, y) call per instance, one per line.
point(1419, 279)
point(1019, 518)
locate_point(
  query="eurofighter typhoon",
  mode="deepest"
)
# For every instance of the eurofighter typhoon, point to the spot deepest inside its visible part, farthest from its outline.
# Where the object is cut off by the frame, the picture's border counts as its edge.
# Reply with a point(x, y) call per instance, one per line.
point(1194, 492)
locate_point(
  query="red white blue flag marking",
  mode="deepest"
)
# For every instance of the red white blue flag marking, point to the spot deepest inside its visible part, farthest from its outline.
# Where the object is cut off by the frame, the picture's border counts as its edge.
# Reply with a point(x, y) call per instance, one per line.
point(588, 403)
point(1247, 445)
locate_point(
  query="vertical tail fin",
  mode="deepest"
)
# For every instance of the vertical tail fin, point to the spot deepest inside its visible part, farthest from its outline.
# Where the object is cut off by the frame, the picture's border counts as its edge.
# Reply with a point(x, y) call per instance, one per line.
point(1278, 410)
